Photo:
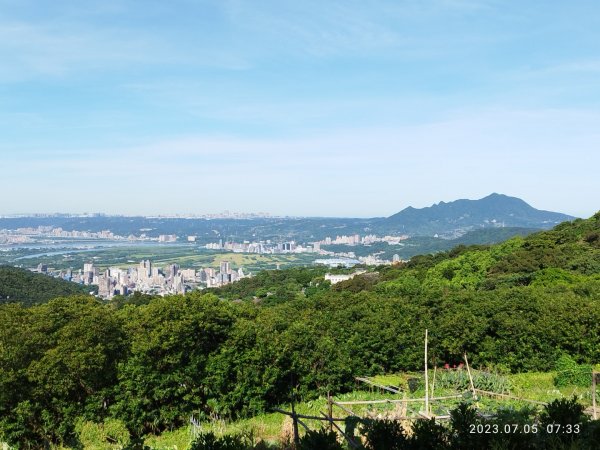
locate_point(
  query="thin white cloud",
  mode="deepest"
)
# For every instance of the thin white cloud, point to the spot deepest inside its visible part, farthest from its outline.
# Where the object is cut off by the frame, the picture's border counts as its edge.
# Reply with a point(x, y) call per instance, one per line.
point(31, 50)
point(357, 28)
point(521, 153)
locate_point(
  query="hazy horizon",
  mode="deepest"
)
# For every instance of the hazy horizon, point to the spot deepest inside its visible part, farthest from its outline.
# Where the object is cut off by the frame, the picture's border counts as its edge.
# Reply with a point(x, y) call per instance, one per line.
point(336, 109)
point(227, 212)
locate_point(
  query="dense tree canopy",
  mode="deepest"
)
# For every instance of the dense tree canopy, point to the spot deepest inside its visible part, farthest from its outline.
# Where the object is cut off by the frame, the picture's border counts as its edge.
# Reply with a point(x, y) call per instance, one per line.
point(23, 286)
point(151, 363)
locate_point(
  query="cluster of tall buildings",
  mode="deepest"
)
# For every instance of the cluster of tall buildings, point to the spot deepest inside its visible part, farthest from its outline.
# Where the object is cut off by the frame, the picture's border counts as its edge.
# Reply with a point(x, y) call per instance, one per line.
point(150, 279)
point(225, 275)
point(8, 238)
point(264, 247)
point(58, 232)
point(167, 238)
point(356, 239)
point(222, 215)
point(353, 239)
point(269, 247)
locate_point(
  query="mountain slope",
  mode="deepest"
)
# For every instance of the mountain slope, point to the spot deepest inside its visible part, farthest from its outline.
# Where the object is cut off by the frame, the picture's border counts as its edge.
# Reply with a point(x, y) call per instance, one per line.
point(569, 254)
point(21, 285)
point(463, 215)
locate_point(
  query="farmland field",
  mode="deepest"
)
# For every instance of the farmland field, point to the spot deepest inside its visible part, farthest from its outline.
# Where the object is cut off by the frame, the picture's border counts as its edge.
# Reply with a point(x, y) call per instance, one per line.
point(186, 255)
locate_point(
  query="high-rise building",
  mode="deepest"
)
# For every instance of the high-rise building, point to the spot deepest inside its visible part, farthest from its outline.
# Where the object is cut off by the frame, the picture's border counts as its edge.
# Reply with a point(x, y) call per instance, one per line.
point(89, 272)
point(173, 270)
point(145, 270)
point(188, 274)
point(225, 267)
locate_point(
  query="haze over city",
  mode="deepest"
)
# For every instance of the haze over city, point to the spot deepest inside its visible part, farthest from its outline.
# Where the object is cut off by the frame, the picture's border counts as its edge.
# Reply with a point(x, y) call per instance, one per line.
point(297, 108)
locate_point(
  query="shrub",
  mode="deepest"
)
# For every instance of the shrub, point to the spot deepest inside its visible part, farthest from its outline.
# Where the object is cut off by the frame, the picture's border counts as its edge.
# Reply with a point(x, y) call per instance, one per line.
point(519, 418)
point(208, 441)
point(319, 440)
point(558, 420)
point(461, 420)
point(384, 434)
point(563, 411)
point(111, 434)
point(570, 373)
point(428, 435)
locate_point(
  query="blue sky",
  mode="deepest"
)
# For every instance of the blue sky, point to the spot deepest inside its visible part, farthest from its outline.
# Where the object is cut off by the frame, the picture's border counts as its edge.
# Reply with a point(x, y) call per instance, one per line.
point(337, 108)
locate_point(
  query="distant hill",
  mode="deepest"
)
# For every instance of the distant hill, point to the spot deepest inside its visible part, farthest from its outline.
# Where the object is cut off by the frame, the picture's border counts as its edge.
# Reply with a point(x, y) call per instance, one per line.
point(448, 220)
point(568, 254)
point(460, 216)
point(23, 286)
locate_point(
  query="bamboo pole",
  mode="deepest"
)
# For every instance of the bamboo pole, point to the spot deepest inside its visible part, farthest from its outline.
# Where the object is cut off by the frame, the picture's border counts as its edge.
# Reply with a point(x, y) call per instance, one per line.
point(594, 375)
point(433, 384)
point(329, 410)
point(369, 402)
point(426, 378)
point(380, 386)
point(348, 438)
point(514, 397)
point(343, 408)
point(303, 424)
point(470, 377)
point(295, 425)
point(304, 416)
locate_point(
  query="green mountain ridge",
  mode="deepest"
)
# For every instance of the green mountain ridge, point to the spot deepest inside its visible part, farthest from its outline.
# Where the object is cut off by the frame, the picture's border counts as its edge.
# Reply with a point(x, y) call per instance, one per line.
point(450, 219)
point(522, 305)
point(24, 286)
point(463, 214)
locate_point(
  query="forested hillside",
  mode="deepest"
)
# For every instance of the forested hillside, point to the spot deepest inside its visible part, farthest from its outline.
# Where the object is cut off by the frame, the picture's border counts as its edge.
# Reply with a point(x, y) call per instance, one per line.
point(240, 350)
point(472, 214)
point(24, 286)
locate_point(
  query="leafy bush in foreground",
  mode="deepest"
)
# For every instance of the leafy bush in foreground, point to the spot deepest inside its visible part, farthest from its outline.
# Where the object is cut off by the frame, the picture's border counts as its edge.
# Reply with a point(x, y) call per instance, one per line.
point(319, 440)
point(209, 441)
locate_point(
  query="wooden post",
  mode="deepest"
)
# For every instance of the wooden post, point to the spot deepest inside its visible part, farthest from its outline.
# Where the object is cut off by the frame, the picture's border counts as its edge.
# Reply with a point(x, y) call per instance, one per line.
point(295, 424)
point(433, 384)
point(470, 377)
point(426, 378)
point(348, 438)
point(330, 410)
point(594, 375)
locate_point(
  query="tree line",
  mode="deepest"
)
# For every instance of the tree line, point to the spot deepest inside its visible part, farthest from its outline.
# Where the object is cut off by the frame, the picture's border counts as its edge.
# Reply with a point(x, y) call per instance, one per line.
point(151, 363)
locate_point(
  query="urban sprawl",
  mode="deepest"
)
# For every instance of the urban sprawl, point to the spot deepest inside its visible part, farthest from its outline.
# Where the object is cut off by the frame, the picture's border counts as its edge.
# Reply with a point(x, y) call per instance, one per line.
point(172, 279)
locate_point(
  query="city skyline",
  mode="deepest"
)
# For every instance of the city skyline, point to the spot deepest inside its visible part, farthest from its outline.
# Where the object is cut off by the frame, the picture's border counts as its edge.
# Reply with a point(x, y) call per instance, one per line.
point(336, 109)
point(226, 214)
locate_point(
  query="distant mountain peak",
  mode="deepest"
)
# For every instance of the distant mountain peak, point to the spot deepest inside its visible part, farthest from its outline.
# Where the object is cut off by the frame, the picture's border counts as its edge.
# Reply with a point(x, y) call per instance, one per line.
point(463, 215)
